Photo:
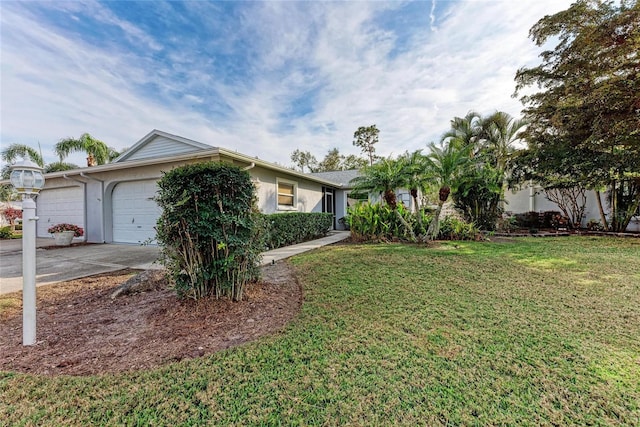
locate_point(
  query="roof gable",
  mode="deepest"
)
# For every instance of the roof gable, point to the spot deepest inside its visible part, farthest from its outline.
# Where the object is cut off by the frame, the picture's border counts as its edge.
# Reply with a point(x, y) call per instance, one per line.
point(160, 144)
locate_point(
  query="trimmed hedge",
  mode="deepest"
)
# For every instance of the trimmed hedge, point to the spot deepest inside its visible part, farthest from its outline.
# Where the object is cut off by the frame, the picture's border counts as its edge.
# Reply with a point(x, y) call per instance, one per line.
point(289, 228)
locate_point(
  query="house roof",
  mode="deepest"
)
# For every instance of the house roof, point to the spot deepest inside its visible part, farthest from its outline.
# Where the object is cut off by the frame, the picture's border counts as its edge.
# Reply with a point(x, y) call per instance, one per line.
point(160, 144)
point(340, 177)
point(147, 151)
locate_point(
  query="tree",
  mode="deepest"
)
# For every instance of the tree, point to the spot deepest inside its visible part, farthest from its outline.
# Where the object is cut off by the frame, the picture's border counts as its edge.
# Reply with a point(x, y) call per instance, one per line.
point(59, 166)
point(490, 142)
point(479, 195)
point(446, 163)
point(18, 151)
point(416, 176)
point(11, 214)
point(498, 135)
point(9, 155)
point(465, 131)
point(366, 138)
point(384, 178)
point(98, 153)
point(15, 151)
point(570, 200)
point(331, 162)
point(353, 162)
point(585, 122)
point(304, 159)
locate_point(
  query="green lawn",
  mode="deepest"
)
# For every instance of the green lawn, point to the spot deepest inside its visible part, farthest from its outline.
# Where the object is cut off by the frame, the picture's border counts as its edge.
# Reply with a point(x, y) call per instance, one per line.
point(537, 332)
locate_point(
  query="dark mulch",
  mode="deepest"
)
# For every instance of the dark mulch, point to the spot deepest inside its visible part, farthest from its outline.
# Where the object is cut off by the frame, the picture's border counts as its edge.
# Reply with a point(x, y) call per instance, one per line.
point(81, 330)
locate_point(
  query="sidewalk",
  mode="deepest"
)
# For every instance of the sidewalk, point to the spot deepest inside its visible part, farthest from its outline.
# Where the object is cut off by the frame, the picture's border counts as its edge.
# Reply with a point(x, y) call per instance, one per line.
point(61, 264)
point(289, 251)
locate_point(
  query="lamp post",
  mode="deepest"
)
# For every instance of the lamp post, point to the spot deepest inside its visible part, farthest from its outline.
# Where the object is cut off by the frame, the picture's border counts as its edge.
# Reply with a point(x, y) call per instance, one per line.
point(28, 180)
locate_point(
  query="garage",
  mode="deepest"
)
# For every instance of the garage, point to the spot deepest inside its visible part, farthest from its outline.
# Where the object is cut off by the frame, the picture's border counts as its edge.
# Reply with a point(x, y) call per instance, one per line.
point(59, 205)
point(134, 212)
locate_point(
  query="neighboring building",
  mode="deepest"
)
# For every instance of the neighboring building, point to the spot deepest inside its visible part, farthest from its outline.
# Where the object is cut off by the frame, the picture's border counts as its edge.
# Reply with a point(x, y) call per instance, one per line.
point(532, 199)
point(114, 202)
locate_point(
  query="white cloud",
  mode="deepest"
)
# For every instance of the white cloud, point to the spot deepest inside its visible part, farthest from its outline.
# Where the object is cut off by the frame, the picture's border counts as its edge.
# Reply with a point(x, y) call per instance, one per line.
point(56, 85)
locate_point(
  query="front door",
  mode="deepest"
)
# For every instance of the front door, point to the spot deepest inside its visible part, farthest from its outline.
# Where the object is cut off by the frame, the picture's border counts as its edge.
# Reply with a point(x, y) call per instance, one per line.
point(328, 204)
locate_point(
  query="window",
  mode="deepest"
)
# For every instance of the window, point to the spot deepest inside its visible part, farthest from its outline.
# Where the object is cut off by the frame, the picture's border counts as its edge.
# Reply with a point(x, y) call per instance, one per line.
point(287, 194)
point(405, 199)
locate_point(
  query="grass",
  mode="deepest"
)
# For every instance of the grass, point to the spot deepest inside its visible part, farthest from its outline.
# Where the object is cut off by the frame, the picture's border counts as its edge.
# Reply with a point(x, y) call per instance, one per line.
point(538, 332)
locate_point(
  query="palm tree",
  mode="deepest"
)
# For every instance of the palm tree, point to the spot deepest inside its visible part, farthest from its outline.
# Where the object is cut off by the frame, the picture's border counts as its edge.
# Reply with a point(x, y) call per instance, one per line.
point(384, 178)
point(465, 131)
point(15, 151)
point(98, 153)
point(446, 164)
point(499, 133)
point(417, 179)
point(59, 166)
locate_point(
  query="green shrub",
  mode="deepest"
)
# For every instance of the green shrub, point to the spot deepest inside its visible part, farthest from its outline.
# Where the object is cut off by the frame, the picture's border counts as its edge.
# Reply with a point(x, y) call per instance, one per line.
point(209, 230)
point(528, 220)
point(379, 222)
point(452, 228)
point(5, 233)
point(289, 228)
point(18, 227)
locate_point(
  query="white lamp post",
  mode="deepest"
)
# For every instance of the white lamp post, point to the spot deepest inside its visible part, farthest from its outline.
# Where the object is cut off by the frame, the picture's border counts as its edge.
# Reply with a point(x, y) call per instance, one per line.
point(28, 180)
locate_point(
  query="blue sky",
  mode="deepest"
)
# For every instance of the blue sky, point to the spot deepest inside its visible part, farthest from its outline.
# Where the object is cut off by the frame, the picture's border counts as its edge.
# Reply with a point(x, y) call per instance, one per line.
point(262, 78)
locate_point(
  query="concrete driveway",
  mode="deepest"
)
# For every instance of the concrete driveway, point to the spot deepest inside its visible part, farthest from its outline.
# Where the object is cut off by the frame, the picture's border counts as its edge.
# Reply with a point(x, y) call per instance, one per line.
point(56, 264)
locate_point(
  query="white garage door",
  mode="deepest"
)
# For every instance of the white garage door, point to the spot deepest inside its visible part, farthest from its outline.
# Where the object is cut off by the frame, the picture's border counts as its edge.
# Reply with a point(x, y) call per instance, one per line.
point(134, 212)
point(59, 205)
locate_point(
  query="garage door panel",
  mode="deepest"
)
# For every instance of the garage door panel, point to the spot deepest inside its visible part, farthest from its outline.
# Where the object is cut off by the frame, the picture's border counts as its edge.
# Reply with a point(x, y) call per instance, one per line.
point(59, 205)
point(134, 212)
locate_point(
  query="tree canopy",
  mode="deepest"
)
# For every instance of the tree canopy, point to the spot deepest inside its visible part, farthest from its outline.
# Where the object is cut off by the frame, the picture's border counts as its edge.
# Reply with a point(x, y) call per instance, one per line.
point(366, 137)
point(332, 161)
point(98, 153)
point(584, 122)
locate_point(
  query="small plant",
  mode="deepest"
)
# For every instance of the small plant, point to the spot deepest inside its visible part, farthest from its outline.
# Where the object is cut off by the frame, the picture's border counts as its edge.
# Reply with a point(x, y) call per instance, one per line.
point(594, 225)
point(5, 233)
point(507, 224)
point(59, 228)
point(452, 228)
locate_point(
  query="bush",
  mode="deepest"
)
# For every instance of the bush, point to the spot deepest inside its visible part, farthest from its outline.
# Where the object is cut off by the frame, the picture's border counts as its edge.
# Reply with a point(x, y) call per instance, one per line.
point(5, 233)
point(376, 221)
point(506, 224)
point(452, 228)
point(209, 230)
point(289, 228)
point(528, 220)
point(594, 225)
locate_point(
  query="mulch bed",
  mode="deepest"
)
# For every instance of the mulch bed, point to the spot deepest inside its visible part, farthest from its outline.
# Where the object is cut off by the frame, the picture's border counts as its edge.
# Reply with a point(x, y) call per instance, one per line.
point(81, 330)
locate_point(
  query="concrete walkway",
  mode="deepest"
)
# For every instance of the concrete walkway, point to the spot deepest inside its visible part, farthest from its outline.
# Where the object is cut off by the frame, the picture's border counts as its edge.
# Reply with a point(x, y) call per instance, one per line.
point(58, 264)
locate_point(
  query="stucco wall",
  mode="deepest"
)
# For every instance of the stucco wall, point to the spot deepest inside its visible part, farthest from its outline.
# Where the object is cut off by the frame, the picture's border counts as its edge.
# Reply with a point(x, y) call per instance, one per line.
point(99, 190)
point(309, 193)
point(522, 201)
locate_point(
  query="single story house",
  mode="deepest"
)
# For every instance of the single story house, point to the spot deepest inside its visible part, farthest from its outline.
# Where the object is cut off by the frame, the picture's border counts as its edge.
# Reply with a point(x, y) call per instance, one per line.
point(114, 202)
